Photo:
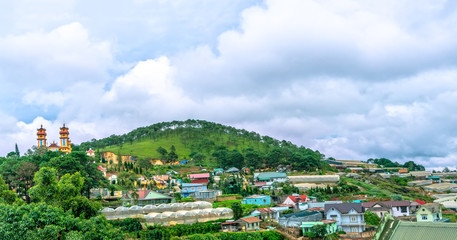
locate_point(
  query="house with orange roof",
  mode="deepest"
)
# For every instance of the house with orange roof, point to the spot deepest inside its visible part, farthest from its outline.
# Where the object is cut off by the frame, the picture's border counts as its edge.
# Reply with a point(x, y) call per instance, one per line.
point(249, 223)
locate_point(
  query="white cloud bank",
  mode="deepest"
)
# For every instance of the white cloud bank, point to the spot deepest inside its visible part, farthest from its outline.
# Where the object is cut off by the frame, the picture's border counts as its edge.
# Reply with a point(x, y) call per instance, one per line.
point(351, 79)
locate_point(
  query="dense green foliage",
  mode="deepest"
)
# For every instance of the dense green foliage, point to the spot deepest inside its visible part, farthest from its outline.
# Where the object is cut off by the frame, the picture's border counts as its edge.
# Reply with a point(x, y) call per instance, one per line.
point(340, 189)
point(161, 232)
point(42, 221)
point(128, 224)
point(209, 144)
point(263, 235)
point(384, 162)
point(372, 218)
point(19, 172)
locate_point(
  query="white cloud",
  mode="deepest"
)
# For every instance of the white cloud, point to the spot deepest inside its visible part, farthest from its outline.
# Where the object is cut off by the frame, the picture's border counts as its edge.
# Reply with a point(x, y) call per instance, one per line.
point(351, 79)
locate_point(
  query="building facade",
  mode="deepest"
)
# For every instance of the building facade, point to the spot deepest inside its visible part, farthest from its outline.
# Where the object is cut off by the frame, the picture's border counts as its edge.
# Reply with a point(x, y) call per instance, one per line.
point(65, 143)
point(348, 216)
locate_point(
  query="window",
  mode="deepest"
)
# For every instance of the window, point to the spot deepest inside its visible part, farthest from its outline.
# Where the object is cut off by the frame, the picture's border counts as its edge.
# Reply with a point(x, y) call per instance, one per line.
point(333, 217)
point(424, 217)
point(353, 219)
point(354, 229)
point(404, 209)
point(193, 189)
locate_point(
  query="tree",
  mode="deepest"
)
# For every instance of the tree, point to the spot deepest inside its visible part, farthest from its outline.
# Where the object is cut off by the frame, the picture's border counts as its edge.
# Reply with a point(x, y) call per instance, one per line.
point(46, 186)
point(17, 151)
point(163, 153)
point(320, 231)
point(24, 178)
point(42, 221)
point(6, 195)
point(372, 218)
point(446, 170)
point(237, 210)
point(144, 163)
point(199, 157)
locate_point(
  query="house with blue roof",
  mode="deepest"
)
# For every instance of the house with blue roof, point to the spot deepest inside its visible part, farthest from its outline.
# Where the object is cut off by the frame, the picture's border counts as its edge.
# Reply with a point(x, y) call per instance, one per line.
point(190, 188)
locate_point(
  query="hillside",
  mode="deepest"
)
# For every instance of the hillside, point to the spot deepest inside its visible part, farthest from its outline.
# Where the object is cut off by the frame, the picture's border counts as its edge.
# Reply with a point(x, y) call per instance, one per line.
point(211, 141)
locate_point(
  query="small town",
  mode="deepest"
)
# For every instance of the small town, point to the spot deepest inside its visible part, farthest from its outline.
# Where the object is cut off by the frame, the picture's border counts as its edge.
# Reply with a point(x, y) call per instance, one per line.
point(151, 198)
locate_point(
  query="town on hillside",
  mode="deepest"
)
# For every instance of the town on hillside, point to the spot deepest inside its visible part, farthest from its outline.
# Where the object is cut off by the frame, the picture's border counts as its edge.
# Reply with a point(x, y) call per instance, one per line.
point(334, 199)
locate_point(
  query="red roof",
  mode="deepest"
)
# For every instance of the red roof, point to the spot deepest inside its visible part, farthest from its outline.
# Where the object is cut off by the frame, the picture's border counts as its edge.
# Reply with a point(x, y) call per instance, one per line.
point(199, 175)
point(260, 183)
point(251, 219)
point(53, 145)
point(200, 181)
point(297, 199)
point(101, 169)
point(141, 193)
point(265, 210)
point(420, 201)
point(90, 151)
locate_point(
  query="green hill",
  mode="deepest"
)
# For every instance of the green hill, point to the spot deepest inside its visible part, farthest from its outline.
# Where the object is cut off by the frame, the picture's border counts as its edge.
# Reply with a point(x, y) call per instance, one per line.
point(215, 144)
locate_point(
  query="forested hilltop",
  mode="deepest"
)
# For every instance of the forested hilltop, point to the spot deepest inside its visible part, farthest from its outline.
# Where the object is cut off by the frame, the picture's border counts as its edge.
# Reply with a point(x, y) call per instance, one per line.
point(209, 143)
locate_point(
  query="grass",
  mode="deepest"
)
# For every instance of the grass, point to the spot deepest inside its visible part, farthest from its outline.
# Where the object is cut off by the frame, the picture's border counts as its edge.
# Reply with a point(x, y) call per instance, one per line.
point(227, 203)
point(382, 188)
point(147, 148)
point(452, 217)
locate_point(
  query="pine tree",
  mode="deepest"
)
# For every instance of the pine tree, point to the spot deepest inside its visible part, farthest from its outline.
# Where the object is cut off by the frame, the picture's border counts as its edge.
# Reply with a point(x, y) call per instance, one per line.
point(17, 151)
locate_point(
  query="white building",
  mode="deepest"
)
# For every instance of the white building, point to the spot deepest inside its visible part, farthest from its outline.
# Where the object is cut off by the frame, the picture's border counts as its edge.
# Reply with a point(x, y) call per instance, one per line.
point(348, 216)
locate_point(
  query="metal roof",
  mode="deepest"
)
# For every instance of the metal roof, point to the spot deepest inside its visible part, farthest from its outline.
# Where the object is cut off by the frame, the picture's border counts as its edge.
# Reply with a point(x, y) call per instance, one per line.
point(425, 231)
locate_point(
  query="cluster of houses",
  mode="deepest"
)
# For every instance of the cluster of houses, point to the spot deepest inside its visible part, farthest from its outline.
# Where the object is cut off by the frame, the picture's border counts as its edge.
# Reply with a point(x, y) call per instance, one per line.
point(336, 215)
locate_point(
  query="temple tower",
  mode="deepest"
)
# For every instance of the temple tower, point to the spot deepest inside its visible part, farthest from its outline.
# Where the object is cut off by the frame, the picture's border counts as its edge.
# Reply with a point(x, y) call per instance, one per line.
point(41, 137)
point(65, 144)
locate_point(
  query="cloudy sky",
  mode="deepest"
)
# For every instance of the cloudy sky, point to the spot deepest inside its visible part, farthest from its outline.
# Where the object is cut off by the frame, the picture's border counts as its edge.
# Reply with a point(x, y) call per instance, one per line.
point(352, 79)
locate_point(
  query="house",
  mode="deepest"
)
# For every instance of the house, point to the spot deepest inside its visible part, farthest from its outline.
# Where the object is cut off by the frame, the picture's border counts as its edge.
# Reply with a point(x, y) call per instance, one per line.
point(205, 195)
point(90, 152)
point(199, 176)
point(391, 229)
point(249, 223)
point(183, 162)
point(162, 181)
point(331, 225)
point(430, 212)
point(257, 200)
point(246, 170)
point(145, 197)
point(190, 188)
point(377, 207)
point(269, 178)
point(200, 181)
point(397, 208)
point(112, 178)
point(229, 226)
point(233, 170)
point(403, 170)
point(349, 216)
point(266, 214)
point(218, 171)
point(296, 219)
point(297, 200)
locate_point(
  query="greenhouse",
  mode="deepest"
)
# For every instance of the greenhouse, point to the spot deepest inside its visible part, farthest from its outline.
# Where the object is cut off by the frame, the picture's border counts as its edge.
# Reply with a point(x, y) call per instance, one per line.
point(173, 213)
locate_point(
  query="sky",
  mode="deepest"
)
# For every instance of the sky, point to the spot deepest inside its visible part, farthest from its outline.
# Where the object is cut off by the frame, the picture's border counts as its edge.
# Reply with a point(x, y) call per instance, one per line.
point(351, 79)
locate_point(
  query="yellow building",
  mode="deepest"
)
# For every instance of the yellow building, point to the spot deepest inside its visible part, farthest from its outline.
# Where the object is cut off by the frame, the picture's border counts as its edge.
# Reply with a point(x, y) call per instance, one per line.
point(65, 143)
